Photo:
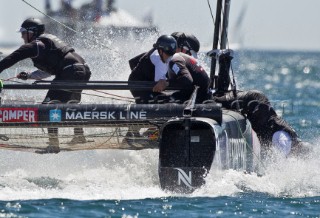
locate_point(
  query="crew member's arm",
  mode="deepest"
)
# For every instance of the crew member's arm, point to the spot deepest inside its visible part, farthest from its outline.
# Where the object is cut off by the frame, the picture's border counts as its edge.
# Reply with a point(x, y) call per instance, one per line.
point(161, 85)
point(179, 74)
point(28, 50)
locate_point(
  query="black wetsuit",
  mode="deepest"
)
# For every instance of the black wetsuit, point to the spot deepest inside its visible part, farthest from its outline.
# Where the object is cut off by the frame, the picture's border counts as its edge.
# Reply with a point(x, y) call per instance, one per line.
point(51, 55)
point(142, 69)
point(184, 70)
point(262, 116)
point(254, 105)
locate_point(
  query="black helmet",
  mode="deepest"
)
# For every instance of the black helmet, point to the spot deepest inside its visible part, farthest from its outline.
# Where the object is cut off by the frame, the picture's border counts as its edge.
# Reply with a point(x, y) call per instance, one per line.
point(32, 24)
point(167, 43)
point(187, 40)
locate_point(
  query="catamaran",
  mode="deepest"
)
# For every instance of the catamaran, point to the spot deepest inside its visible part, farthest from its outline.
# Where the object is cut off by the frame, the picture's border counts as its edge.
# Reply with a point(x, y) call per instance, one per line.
point(190, 137)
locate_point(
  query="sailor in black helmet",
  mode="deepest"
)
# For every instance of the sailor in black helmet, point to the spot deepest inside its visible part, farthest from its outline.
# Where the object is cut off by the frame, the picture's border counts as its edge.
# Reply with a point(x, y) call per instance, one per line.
point(183, 70)
point(52, 57)
point(149, 67)
point(187, 43)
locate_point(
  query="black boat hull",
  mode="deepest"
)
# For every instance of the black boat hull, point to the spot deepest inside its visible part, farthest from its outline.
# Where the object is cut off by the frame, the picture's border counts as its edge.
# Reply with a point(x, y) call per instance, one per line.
point(190, 146)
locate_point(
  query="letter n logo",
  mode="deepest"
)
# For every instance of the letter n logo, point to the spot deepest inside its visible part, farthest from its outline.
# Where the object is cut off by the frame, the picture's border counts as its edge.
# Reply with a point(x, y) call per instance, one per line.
point(184, 178)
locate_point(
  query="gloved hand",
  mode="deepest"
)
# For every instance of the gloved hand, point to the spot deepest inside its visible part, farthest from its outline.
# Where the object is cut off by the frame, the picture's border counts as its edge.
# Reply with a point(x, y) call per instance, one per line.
point(23, 75)
point(160, 86)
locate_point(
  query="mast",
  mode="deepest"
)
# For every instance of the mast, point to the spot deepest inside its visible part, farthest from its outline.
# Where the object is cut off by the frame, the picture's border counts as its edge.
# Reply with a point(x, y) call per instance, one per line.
point(224, 33)
point(215, 41)
point(220, 33)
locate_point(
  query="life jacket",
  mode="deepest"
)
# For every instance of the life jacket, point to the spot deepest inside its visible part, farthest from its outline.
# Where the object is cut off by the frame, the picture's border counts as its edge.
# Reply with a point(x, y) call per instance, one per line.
point(52, 57)
point(142, 67)
point(183, 65)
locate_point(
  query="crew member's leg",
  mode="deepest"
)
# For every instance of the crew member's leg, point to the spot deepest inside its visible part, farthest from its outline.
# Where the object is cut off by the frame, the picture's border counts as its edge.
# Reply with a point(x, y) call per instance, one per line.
point(75, 73)
point(53, 146)
point(52, 132)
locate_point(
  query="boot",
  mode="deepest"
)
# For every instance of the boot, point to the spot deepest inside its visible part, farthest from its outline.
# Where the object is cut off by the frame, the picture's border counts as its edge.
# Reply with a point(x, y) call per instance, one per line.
point(151, 133)
point(79, 139)
point(53, 147)
point(133, 138)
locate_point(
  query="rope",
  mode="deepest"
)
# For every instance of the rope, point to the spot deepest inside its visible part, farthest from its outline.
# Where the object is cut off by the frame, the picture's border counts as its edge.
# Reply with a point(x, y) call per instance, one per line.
point(9, 79)
point(119, 96)
point(211, 11)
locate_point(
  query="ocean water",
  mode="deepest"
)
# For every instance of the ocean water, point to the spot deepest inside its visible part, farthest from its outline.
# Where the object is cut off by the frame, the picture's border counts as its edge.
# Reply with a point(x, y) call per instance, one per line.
point(113, 183)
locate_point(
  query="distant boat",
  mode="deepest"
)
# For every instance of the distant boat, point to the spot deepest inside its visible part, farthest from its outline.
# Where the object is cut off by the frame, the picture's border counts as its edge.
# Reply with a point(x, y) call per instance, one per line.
point(98, 18)
point(237, 31)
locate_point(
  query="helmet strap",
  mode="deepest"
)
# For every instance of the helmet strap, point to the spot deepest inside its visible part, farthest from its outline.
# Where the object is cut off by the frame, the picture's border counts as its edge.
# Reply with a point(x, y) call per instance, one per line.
point(28, 36)
point(161, 55)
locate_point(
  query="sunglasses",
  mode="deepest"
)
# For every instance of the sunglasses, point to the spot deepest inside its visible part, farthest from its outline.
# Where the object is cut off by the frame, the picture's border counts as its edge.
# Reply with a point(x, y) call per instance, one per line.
point(24, 30)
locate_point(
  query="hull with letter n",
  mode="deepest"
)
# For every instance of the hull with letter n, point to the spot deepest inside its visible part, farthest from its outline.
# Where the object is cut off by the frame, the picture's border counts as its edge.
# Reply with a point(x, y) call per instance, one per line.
point(190, 146)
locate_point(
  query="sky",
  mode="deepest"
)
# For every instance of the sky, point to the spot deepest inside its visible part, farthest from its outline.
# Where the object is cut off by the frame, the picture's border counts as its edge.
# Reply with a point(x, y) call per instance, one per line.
point(267, 24)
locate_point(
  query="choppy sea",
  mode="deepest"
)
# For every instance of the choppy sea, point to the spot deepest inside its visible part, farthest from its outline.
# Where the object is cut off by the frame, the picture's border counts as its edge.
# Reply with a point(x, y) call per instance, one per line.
point(113, 183)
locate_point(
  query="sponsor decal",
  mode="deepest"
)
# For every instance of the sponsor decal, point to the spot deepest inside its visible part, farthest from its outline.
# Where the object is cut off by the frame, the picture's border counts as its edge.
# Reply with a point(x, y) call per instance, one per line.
point(175, 68)
point(173, 45)
point(184, 178)
point(106, 115)
point(18, 115)
point(55, 115)
point(237, 153)
point(193, 61)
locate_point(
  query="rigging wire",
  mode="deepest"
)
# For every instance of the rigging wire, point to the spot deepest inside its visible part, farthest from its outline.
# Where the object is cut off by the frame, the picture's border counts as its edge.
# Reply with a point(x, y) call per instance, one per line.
point(62, 24)
point(114, 96)
point(119, 96)
point(211, 11)
point(69, 28)
point(9, 79)
point(14, 81)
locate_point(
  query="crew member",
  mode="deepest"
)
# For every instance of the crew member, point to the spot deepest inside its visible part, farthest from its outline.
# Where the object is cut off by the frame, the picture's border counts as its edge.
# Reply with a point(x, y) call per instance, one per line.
point(271, 129)
point(52, 57)
point(183, 70)
point(187, 43)
point(149, 67)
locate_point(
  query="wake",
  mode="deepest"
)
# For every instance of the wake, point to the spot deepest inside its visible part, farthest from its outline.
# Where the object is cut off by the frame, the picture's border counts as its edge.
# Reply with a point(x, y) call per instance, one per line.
point(124, 175)
point(281, 177)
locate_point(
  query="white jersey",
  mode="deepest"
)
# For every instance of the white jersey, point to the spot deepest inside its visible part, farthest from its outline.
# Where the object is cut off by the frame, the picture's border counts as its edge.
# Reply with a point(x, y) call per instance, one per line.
point(160, 67)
